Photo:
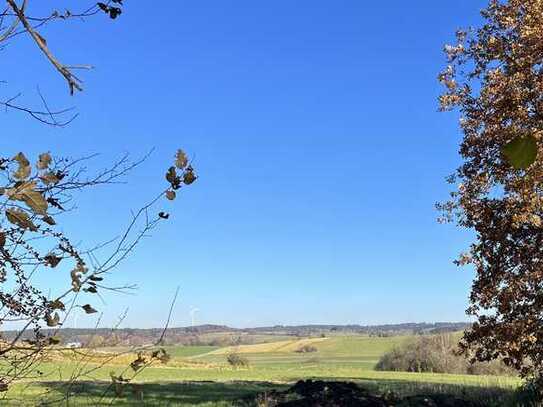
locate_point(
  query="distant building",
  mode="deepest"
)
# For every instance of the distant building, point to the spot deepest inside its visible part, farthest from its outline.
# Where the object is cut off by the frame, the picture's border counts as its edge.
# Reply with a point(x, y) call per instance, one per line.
point(73, 345)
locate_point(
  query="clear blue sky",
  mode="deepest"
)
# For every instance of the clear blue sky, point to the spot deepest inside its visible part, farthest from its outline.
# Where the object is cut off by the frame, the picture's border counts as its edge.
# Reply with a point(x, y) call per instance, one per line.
point(316, 135)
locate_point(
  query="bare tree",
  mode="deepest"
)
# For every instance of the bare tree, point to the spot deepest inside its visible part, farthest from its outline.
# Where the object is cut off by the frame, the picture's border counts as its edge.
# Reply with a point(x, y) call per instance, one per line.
point(17, 20)
point(36, 193)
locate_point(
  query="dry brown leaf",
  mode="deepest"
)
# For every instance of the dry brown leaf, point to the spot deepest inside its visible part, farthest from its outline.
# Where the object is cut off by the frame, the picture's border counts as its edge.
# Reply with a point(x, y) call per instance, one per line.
point(52, 321)
point(24, 170)
point(49, 178)
point(27, 193)
point(181, 160)
point(20, 218)
point(88, 309)
point(44, 160)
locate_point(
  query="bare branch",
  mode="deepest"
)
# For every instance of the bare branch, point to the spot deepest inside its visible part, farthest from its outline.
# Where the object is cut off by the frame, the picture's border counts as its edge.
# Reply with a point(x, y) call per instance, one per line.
point(74, 83)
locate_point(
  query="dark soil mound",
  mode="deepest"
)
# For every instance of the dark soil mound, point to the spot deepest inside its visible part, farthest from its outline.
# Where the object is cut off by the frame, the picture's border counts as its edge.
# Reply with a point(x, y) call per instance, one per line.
point(320, 393)
point(309, 393)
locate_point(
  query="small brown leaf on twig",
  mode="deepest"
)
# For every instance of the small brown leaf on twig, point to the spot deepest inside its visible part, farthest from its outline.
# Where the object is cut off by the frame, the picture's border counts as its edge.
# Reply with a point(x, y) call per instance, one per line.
point(138, 363)
point(181, 159)
point(52, 260)
point(91, 289)
point(20, 218)
point(54, 202)
point(57, 304)
point(44, 160)
point(189, 177)
point(49, 178)
point(27, 192)
point(49, 220)
point(88, 309)
point(35, 200)
point(23, 172)
point(52, 320)
point(171, 175)
point(76, 280)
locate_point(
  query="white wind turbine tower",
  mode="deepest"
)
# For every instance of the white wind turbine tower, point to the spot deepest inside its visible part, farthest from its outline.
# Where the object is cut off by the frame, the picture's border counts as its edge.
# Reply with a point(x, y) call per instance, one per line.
point(76, 317)
point(193, 312)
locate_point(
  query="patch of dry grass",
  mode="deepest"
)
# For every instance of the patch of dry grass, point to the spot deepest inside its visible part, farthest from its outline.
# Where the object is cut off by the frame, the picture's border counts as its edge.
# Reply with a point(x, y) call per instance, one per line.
point(270, 347)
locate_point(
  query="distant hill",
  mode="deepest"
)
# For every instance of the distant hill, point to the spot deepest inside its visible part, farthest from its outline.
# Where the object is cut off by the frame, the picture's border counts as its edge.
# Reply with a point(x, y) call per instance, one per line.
point(221, 335)
point(392, 329)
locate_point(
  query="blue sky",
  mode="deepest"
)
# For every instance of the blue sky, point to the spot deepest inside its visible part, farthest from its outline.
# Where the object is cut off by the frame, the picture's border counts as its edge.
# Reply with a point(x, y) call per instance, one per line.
point(316, 135)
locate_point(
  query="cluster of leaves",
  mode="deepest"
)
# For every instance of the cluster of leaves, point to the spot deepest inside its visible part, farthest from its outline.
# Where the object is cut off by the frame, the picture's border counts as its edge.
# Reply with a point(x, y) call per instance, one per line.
point(112, 11)
point(29, 197)
point(495, 79)
point(179, 174)
point(182, 173)
point(34, 195)
point(143, 359)
point(31, 191)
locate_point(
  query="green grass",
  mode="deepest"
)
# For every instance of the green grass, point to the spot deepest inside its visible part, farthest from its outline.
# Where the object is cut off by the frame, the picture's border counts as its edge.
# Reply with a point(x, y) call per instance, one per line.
point(339, 354)
point(204, 394)
point(207, 373)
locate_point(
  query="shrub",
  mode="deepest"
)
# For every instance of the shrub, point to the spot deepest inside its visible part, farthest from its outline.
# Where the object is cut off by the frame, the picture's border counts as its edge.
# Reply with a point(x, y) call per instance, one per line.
point(436, 354)
point(234, 359)
point(306, 349)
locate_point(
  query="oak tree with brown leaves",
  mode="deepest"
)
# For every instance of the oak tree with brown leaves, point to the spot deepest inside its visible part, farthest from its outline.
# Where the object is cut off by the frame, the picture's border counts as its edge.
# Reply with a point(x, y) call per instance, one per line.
point(495, 79)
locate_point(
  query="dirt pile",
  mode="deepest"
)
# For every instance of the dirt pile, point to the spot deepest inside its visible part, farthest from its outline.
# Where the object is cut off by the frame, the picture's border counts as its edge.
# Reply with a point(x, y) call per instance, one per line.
point(309, 393)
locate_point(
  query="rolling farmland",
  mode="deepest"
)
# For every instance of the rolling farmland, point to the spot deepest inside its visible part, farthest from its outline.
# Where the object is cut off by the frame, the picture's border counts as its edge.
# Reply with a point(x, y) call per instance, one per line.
point(196, 372)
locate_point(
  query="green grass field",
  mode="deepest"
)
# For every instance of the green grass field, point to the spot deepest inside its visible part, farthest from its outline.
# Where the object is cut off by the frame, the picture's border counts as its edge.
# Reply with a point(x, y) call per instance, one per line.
point(200, 376)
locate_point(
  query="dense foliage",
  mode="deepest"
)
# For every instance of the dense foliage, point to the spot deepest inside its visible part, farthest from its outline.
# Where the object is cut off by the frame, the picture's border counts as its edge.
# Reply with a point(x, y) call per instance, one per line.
point(495, 79)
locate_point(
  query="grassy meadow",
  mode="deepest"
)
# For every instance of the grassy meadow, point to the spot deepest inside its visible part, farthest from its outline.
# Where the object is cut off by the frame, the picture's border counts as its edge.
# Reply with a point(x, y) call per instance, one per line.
point(200, 375)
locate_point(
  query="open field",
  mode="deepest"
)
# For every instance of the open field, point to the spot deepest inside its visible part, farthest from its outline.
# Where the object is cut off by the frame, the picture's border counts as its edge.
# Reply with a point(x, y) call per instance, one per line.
point(200, 375)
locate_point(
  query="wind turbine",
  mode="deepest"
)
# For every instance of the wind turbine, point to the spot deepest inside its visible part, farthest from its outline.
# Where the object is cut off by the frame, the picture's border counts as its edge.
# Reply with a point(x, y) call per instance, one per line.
point(76, 317)
point(193, 311)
